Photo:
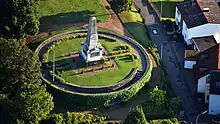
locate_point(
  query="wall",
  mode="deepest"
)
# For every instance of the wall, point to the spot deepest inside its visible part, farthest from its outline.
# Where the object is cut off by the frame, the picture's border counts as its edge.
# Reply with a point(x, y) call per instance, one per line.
point(189, 64)
point(214, 106)
point(203, 30)
point(202, 84)
point(177, 16)
point(185, 33)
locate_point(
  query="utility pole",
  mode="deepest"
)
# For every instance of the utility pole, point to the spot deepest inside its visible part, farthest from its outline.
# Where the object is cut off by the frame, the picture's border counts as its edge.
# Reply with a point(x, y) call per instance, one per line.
point(53, 64)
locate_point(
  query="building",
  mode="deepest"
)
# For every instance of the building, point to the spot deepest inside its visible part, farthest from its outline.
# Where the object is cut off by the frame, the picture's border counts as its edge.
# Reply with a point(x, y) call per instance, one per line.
point(199, 23)
point(91, 48)
point(197, 18)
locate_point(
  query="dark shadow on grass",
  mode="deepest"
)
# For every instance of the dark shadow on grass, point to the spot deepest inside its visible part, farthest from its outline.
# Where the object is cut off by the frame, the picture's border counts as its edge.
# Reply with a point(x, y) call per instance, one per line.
point(168, 8)
point(67, 64)
point(139, 32)
point(65, 18)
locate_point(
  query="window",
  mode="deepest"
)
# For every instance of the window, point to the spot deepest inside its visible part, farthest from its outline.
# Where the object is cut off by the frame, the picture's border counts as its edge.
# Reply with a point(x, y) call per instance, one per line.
point(217, 84)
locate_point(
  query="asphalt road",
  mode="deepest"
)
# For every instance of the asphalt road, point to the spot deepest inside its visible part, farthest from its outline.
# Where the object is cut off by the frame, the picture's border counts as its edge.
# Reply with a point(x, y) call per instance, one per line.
point(172, 60)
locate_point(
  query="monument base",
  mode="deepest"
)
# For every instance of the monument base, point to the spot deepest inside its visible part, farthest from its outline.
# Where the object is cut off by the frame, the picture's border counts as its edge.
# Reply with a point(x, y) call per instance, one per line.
point(92, 63)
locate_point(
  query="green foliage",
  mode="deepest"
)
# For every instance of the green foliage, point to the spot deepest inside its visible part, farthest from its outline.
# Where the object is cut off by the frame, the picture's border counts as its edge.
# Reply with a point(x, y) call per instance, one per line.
point(18, 64)
point(19, 17)
point(136, 116)
point(74, 118)
point(157, 98)
point(81, 118)
point(21, 80)
point(34, 103)
point(165, 121)
point(54, 119)
point(121, 5)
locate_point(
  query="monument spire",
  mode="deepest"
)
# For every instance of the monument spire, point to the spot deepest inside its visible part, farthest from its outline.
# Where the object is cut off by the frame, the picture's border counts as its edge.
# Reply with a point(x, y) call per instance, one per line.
point(92, 34)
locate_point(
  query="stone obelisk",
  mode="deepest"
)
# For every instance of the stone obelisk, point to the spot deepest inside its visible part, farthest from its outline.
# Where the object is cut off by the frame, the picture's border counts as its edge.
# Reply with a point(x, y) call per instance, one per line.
point(92, 49)
point(92, 34)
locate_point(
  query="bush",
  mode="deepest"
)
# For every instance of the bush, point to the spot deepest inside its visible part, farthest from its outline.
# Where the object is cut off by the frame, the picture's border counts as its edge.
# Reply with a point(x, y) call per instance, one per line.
point(165, 121)
point(135, 56)
point(136, 116)
point(81, 118)
point(54, 119)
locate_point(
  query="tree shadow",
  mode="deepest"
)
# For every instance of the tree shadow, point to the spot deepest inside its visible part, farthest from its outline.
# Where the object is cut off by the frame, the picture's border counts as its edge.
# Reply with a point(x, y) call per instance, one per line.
point(138, 31)
point(65, 18)
point(67, 64)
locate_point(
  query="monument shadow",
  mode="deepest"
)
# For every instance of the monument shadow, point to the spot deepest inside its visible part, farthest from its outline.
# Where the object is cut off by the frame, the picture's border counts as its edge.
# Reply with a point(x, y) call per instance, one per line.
point(65, 18)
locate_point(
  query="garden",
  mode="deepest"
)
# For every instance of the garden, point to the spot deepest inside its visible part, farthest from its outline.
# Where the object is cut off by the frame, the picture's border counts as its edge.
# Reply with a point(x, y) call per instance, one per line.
point(120, 59)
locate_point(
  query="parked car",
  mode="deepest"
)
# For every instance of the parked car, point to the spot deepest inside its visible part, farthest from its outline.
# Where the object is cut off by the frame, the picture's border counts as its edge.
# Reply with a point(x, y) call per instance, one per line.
point(155, 32)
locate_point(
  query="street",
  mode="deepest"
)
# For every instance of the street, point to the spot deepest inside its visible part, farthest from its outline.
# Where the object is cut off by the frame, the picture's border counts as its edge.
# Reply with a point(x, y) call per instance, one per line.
point(172, 54)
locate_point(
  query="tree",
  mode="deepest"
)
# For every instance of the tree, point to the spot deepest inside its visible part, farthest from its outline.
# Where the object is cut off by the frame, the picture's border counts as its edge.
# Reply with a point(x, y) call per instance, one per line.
point(136, 116)
point(34, 103)
point(53, 119)
point(18, 64)
point(20, 84)
point(157, 98)
point(121, 5)
point(18, 18)
point(174, 105)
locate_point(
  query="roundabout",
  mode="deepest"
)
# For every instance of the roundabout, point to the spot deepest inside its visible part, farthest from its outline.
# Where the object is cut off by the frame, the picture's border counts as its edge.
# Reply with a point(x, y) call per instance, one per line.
point(138, 73)
point(118, 85)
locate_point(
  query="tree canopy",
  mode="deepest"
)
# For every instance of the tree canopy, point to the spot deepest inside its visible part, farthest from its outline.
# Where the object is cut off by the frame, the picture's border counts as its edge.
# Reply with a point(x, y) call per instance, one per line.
point(18, 64)
point(18, 18)
point(121, 5)
point(34, 103)
point(22, 94)
point(136, 116)
point(158, 98)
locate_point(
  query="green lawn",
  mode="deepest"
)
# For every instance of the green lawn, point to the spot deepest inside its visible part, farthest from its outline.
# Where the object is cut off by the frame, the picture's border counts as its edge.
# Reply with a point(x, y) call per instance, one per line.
point(33, 45)
point(168, 7)
point(59, 12)
point(102, 78)
point(133, 23)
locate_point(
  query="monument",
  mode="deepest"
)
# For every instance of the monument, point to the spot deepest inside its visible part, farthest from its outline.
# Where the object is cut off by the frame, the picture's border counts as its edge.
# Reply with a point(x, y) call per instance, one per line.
point(91, 49)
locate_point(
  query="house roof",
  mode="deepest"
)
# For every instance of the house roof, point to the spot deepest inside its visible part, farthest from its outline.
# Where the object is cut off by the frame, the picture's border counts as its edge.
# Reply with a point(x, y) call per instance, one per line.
point(199, 12)
point(213, 15)
point(215, 82)
point(191, 13)
point(212, 61)
point(204, 43)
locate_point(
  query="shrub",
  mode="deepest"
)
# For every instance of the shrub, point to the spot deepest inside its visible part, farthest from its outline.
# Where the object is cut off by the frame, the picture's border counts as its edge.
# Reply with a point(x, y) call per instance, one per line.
point(136, 116)
point(81, 118)
point(135, 56)
point(54, 119)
